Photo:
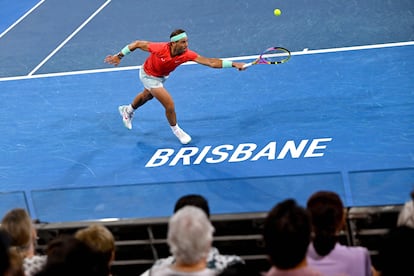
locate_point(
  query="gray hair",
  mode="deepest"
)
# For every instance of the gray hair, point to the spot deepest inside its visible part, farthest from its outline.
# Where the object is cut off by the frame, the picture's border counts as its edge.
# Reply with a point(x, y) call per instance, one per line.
point(190, 235)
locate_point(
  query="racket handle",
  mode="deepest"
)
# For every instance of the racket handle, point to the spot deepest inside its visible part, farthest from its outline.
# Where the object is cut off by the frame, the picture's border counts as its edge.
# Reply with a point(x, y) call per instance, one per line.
point(248, 65)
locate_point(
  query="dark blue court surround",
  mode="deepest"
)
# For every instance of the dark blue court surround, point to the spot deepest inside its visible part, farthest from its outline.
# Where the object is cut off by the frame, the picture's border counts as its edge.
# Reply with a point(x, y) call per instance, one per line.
point(341, 121)
point(250, 27)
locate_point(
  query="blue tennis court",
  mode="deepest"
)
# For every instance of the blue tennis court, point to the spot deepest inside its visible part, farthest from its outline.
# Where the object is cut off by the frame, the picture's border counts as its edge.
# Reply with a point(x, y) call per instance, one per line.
point(339, 115)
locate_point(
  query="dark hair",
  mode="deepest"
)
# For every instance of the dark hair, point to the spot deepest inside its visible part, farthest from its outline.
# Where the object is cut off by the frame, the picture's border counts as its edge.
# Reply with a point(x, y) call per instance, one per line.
point(287, 231)
point(396, 252)
point(4, 252)
point(67, 256)
point(176, 32)
point(327, 215)
point(239, 269)
point(193, 200)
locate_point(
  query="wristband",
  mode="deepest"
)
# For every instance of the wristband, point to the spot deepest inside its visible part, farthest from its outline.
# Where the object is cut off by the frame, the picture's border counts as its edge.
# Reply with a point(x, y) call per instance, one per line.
point(226, 64)
point(125, 51)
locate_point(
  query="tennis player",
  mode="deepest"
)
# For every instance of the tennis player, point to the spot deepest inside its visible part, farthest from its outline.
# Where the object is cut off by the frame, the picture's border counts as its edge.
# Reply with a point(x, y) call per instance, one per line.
point(164, 57)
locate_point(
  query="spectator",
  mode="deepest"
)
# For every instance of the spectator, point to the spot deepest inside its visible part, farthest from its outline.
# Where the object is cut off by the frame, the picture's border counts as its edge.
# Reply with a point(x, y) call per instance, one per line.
point(396, 252)
point(18, 224)
point(215, 260)
point(193, 200)
point(190, 235)
point(325, 252)
point(406, 216)
point(287, 234)
point(11, 264)
point(68, 256)
point(100, 239)
point(4, 253)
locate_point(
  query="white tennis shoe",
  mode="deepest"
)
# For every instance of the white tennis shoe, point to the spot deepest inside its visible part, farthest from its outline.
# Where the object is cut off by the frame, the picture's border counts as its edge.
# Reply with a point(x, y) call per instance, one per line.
point(182, 136)
point(126, 116)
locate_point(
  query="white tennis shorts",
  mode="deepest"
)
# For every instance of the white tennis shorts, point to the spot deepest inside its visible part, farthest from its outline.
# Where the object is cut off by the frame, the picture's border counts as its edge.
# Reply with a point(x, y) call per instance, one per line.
point(150, 81)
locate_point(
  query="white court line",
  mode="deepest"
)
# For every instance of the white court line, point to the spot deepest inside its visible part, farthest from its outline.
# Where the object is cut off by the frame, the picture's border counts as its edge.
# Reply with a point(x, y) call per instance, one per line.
point(68, 38)
point(21, 18)
point(307, 52)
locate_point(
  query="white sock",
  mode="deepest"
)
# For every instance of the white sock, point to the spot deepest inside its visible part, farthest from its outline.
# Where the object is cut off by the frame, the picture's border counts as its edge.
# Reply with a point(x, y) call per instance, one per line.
point(130, 109)
point(174, 128)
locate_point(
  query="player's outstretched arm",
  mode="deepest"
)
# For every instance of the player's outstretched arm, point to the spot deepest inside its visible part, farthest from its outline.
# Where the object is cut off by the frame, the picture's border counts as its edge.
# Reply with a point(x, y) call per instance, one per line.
point(116, 59)
point(219, 63)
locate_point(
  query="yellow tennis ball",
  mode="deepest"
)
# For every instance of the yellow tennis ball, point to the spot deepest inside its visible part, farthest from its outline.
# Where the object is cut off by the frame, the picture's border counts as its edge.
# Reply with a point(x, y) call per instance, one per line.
point(277, 12)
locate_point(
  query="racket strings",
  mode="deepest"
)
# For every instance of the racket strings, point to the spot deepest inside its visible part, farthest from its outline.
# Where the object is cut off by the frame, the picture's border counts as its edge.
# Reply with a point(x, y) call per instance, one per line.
point(276, 55)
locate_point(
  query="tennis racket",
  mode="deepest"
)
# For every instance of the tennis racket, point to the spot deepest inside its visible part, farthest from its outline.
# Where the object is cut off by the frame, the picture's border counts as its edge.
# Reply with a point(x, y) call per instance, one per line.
point(272, 55)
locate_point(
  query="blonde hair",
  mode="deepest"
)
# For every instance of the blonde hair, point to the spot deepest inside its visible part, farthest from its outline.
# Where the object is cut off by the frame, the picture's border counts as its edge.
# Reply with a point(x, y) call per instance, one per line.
point(18, 224)
point(16, 263)
point(98, 238)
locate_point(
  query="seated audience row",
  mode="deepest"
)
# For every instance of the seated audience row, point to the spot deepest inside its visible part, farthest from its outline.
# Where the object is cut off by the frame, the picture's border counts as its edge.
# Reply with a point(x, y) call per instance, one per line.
point(298, 241)
point(89, 252)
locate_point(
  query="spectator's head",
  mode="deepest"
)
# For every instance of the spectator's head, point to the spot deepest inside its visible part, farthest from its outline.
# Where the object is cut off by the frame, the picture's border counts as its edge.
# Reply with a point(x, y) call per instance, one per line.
point(193, 200)
point(406, 216)
point(68, 256)
point(190, 235)
point(287, 233)
point(18, 224)
point(328, 218)
point(396, 252)
point(100, 239)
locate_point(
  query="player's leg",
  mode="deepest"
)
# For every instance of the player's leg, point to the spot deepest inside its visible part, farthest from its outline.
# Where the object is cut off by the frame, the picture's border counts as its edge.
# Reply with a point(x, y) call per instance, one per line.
point(141, 99)
point(162, 95)
point(127, 111)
